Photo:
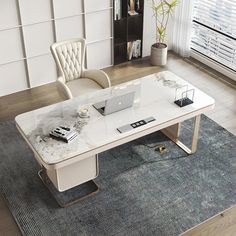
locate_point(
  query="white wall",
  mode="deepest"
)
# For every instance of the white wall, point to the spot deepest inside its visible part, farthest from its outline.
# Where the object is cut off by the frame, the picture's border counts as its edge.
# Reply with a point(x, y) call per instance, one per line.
point(29, 27)
point(149, 29)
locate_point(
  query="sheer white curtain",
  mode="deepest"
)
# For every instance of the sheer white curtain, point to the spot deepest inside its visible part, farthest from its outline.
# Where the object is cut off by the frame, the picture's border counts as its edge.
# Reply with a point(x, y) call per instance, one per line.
point(182, 27)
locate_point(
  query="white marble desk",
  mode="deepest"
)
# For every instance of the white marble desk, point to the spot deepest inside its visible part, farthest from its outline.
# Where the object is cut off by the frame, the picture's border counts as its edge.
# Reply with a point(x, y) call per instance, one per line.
point(155, 96)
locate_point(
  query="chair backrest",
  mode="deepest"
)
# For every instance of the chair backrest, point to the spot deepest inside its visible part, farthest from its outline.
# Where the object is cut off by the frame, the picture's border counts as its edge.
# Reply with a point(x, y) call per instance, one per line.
point(69, 57)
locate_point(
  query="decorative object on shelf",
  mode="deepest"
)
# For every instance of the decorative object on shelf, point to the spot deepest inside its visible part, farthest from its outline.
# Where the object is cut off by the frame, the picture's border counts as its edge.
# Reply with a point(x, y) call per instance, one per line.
point(162, 10)
point(182, 96)
point(131, 8)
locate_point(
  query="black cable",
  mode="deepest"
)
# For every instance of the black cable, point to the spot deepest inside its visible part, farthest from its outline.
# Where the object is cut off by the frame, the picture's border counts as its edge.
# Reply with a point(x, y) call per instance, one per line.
point(150, 162)
point(154, 161)
point(149, 146)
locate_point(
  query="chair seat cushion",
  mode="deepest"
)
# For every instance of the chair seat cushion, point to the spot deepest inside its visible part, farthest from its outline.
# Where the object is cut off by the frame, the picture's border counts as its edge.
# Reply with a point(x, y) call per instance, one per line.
point(82, 85)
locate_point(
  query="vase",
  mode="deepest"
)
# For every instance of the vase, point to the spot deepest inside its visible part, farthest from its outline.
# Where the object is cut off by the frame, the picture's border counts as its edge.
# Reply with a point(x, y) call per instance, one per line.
point(158, 54)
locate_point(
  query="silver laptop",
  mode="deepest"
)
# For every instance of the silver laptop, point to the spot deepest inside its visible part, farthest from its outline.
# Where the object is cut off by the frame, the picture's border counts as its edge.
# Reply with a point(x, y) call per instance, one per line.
point(115, 104)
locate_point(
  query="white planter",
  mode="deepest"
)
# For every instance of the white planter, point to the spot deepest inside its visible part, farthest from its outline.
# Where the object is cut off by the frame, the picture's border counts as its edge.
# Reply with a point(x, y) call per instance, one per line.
point(158, 55)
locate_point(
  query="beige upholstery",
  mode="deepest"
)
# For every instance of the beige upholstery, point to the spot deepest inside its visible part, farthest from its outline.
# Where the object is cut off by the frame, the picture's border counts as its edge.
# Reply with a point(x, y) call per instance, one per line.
point(85, 85)
point(70, 57)
point(74, 80)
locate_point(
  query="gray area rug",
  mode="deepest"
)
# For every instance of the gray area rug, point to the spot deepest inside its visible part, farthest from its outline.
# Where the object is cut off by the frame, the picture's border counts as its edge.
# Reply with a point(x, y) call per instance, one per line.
point(142, 191)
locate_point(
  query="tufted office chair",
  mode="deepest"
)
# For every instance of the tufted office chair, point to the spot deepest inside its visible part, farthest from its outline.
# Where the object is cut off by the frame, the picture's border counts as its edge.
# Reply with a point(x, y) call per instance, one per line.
point(74, 79)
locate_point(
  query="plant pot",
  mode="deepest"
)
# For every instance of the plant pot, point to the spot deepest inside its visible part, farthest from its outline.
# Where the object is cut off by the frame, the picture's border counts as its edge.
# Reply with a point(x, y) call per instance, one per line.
point(158, 54)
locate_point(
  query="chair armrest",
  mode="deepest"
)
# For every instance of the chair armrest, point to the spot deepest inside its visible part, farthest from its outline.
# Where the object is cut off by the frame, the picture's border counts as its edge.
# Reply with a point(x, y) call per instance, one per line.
point(63, 90)
point(98, 76)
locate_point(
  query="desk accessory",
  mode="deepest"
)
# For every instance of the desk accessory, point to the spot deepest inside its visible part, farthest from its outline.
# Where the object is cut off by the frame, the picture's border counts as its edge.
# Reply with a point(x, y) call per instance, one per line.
point(134, 125)
point(83, 112)
point(64, 134)
point(182, 99)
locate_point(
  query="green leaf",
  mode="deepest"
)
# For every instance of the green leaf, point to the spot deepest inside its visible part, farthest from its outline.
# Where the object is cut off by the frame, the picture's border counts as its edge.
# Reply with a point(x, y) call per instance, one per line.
point(161, 30)
point(158, 8)
point(171, 5)
point(162, 10)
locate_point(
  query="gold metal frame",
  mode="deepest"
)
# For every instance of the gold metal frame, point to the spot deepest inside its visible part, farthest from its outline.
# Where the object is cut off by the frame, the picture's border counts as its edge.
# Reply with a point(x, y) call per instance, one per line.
point(42, 174)
point(173, 132)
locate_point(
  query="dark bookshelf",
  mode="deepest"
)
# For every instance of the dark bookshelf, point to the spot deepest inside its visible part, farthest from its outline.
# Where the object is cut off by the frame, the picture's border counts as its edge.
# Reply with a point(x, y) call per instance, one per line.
point(128, 30)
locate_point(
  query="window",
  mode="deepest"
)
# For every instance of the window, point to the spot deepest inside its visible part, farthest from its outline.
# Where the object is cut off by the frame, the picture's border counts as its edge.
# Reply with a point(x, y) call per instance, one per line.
point(214, 30)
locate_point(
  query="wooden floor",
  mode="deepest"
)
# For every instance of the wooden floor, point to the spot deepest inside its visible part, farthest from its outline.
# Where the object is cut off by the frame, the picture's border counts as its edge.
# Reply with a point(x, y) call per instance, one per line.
point(190, 70)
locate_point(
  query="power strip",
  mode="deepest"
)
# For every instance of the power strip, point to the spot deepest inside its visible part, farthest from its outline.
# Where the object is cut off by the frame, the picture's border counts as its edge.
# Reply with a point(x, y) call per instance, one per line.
point(135, 125)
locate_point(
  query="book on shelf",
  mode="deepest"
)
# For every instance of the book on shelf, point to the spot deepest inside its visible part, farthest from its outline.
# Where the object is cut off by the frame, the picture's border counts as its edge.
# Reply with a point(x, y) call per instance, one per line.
point(134, 49)
point(117, 9)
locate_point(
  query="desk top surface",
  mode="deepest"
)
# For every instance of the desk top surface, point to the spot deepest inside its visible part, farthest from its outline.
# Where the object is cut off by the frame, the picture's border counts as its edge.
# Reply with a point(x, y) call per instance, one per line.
point(154, 96)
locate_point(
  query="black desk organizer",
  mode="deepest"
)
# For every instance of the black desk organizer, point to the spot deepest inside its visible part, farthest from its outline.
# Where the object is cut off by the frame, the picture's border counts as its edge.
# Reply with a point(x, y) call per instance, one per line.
point(183, 102)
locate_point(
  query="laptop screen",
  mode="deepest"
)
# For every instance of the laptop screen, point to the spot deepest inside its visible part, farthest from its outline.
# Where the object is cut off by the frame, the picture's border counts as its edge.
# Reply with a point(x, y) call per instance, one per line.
point(116, 103)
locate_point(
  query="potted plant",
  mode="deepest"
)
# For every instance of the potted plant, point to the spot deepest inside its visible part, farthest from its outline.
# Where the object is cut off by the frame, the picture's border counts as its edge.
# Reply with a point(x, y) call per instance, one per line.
point(162, 10)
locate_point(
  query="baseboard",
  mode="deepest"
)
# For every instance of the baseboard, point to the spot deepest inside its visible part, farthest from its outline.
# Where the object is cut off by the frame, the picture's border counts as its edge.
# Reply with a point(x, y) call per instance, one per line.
point(214, 65)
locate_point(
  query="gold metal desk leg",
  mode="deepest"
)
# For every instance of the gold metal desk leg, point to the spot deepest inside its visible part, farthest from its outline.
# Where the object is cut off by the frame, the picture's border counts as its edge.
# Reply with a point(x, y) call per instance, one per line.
point(173, 132)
